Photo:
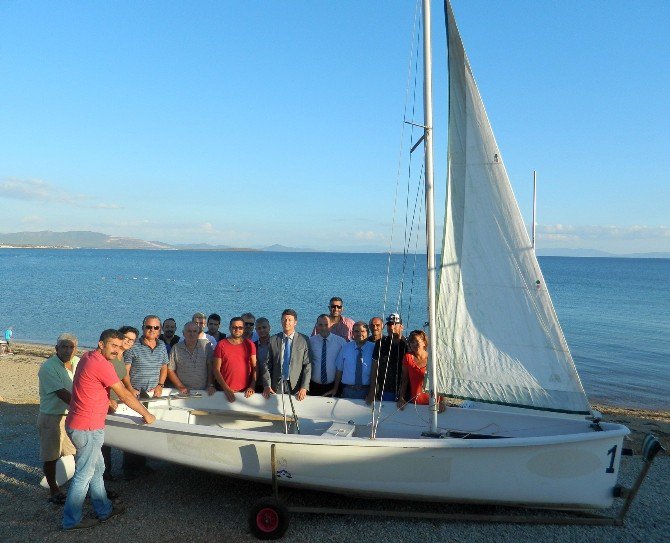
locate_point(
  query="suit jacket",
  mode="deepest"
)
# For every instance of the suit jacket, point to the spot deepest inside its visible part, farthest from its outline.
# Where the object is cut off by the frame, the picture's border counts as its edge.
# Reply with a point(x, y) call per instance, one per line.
point(300, 371)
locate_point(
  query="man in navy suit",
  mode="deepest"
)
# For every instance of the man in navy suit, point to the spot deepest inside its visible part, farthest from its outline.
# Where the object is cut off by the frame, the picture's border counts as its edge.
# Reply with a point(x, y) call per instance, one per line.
point(288, 360)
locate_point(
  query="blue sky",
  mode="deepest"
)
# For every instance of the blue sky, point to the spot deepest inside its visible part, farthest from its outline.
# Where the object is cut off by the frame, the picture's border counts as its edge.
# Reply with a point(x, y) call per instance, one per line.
point(249, 123)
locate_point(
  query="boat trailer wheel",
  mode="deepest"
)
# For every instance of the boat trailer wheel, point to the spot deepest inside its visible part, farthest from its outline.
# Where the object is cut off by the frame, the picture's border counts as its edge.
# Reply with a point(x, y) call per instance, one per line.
point(268, 519)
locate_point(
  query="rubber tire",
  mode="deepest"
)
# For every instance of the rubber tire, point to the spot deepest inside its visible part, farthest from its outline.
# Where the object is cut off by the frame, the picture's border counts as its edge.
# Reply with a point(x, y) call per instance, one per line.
point(268, 519)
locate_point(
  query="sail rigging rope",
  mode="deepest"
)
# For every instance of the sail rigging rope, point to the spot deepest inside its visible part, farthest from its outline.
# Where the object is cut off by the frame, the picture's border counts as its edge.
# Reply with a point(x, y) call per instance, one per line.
point(415, 42)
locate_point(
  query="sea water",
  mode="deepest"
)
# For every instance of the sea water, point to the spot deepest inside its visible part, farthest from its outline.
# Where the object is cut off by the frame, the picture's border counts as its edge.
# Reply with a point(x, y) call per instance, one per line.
point(614, 311)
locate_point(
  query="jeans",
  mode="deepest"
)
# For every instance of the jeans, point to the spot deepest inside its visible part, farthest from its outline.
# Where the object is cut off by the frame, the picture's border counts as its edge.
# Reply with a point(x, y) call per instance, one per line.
point(355, 393)
point(89, 466)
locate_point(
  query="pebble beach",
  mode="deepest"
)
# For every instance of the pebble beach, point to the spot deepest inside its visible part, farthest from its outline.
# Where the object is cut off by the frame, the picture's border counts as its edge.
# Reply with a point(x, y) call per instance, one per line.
point(176, 503)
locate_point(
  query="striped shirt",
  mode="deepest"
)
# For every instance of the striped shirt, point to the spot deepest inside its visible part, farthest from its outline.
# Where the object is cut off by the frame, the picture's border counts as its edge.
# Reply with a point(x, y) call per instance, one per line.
point(145, 364)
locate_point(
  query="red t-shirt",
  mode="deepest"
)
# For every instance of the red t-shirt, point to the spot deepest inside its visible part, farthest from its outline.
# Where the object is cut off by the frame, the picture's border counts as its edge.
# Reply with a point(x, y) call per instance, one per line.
point(416, 375)
point(235, 362)
point(90, 392)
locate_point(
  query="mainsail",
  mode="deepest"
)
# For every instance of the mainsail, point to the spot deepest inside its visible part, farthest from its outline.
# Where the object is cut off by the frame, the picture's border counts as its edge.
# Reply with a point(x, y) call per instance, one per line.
point(498, 337)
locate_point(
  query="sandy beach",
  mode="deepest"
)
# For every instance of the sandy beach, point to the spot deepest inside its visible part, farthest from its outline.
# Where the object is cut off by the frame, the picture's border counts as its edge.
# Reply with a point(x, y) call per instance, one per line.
point(176, 503)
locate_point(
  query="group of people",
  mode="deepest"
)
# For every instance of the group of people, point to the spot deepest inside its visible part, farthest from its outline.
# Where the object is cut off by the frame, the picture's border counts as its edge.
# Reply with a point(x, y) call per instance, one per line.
point(343, 357)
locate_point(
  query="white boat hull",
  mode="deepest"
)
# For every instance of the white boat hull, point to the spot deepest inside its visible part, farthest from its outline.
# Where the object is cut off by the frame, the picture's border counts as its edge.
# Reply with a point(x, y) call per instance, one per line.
point(544, 462)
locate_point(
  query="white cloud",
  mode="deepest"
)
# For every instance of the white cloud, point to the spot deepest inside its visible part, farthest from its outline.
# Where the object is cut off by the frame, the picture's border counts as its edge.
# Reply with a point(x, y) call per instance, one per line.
point(37, 190)
point(32, 219)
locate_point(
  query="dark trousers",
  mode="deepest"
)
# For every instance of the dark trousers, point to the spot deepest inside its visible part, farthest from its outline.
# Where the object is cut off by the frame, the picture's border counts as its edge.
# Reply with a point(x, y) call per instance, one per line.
point(132, 461)
point(317, 389)
point(107, 457)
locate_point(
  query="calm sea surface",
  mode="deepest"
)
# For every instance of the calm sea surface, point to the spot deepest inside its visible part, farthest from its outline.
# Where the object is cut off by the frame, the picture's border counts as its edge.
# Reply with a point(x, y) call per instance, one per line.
point(615, 312)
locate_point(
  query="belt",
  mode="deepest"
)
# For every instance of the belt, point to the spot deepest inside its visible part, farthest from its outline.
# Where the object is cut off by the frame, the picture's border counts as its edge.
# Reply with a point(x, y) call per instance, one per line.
point(357, 387)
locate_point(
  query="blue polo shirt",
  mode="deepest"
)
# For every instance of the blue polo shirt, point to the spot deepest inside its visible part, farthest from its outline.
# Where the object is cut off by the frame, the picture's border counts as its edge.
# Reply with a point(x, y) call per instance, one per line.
point(145, 364)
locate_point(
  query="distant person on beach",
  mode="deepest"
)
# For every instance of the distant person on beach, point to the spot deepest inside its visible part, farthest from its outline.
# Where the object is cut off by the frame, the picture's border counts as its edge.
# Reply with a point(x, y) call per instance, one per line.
point(55, 384)
point(414, 371)
point(129, 335)
point(146, 362)
point(387, 362)
point(190, 365)
point(376, 327)
point(339, 324)
point(234, 364)
point(325, 348)
point(8, 336)
point(354, 364)
point(288, 361)
point(168, 336)
point(213, 323)
point(249, 322)
point(85, 425)
point(201, 320)
point(262, 348)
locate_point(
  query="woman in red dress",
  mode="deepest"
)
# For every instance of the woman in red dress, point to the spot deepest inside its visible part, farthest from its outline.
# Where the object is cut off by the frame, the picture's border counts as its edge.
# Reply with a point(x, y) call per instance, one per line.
point(414, 371)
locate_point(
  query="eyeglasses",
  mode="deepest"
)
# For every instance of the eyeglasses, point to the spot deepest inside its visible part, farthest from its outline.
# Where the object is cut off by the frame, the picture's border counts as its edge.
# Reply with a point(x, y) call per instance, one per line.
point(237, 327)
point(149, 327)
point(336, 306)
point(129, 339)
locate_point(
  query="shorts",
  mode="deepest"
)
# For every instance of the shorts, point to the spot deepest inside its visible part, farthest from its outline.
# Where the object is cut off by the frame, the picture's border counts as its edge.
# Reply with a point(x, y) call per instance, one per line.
point(54, 442)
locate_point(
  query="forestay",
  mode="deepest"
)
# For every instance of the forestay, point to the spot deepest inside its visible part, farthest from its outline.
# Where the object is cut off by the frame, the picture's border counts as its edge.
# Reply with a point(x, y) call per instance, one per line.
point(498, 337)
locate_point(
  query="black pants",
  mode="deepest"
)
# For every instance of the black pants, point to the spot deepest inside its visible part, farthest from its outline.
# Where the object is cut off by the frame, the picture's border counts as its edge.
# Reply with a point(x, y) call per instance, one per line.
point(317, 389)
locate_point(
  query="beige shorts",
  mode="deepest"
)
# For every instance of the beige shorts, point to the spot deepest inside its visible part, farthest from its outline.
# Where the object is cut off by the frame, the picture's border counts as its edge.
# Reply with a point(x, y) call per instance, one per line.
point(54, 442)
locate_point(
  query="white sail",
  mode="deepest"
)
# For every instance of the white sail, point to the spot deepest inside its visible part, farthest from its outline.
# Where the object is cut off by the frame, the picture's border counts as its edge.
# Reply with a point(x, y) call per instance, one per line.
point(498, 337)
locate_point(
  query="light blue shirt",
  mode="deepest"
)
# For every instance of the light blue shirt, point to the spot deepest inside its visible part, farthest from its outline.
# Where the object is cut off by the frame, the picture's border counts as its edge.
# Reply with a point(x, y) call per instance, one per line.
point(346, 362)
point(334, 345)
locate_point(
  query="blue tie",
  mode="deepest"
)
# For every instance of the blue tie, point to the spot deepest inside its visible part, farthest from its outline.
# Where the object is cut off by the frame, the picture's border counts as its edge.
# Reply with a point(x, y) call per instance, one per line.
point(287, 358)
point(324, 369)
point(359, 368)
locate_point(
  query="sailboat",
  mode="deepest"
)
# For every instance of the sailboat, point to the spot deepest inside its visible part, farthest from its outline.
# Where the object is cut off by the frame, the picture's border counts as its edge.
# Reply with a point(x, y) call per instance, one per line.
point(526, 436)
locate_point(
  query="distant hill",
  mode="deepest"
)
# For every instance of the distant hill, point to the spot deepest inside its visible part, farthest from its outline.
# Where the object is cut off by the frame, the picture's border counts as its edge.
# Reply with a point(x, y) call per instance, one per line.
point(95, 240)
point(77, 240)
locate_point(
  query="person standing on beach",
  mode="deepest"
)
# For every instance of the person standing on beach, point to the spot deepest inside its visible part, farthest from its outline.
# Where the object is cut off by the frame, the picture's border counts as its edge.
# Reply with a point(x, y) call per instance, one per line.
point(8, 336)
point(249, 322)
point(354, 364)
point(201, 320)
point(234, 364)
point(85, 425)
point(339, 324)
point(376, 326)
point(129, 335)
point(288, 365)
point(213, 323)
point(168, 336)
point(387, 362)
point(55, 383)
point(325, 348)
point(190, 365)
point(262, 349)
point(146, 362)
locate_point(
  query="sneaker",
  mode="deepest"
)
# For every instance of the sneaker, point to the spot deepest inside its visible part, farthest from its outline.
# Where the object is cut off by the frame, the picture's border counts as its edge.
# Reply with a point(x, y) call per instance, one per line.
point(116, 510)
point(84, 523)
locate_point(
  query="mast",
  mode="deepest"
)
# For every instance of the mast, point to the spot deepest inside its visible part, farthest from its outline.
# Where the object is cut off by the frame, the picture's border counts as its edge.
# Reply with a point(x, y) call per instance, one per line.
point(534, 203)
point(430, 213)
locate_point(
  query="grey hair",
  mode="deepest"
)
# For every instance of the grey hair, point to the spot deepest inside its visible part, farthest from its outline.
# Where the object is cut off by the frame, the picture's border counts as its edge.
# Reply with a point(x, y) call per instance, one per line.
point(199, 316)
point(66, 337)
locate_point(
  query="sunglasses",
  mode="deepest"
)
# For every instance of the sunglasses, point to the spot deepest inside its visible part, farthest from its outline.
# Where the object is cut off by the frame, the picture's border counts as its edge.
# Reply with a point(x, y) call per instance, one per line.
point(237, 327)
point(149, 327)
point(336, 307)
point(248, 324)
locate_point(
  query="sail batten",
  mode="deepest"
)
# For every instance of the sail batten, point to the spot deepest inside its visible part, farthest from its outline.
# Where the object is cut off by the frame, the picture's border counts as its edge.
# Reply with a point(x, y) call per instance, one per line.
point(498, 337)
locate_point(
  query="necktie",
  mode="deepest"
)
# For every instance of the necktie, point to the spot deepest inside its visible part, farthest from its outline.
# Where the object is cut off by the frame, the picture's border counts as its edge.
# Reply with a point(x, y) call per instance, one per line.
point(324, 369)
point(287, 358)
point(359, 368)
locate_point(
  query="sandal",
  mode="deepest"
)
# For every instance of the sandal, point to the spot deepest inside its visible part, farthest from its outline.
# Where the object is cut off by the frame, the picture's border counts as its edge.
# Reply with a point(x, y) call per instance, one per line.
point(58, 499)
